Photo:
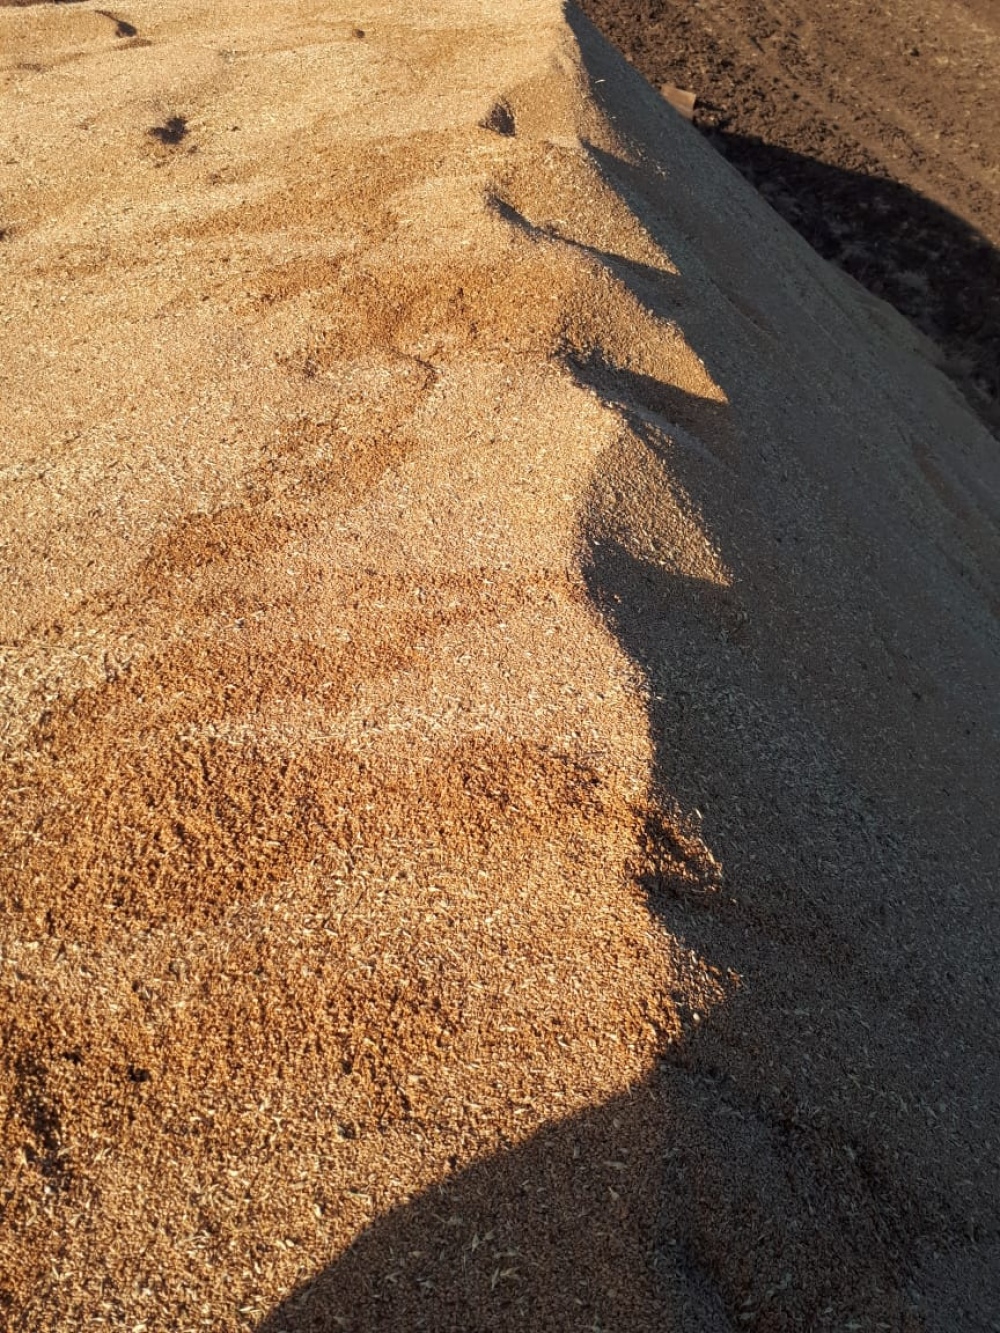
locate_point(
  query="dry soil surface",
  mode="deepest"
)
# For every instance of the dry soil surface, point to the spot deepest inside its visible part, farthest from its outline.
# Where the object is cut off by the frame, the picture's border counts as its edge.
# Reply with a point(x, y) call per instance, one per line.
point(499, 706)
point(874, 129)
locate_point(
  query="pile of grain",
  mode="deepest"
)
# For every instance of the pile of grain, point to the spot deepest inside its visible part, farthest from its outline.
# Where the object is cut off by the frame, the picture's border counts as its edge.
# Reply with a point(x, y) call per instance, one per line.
point(500, 646)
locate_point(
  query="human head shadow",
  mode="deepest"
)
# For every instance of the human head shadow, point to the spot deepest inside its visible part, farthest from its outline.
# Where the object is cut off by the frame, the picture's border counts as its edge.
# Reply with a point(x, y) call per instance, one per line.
point(745, 1183)
point(739, 1185)
point(627, 1216)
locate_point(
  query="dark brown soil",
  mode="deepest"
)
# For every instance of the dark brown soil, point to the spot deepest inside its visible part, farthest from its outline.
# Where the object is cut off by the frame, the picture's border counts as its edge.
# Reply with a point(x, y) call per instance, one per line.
point(873, 130)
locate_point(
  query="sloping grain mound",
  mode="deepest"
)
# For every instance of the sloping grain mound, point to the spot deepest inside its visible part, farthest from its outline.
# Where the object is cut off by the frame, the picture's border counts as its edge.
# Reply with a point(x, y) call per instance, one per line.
point(499, 706)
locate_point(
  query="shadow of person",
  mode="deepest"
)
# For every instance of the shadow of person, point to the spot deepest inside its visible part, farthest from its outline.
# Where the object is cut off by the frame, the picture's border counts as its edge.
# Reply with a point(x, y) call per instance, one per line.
point(744, 1183)
point(625, 1217)
point(789, 1163)
point(754, 1179)
point(563, 1232)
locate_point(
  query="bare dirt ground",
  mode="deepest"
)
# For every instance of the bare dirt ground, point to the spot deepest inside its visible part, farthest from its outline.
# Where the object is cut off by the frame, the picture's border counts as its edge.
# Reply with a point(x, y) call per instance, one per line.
point(498, 728)
point(873, 129)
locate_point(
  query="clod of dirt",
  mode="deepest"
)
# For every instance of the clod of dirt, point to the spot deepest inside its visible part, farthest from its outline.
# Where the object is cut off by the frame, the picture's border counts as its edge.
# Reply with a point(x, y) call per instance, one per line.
point(172, 131)
point(681, 99)
point(500, 119)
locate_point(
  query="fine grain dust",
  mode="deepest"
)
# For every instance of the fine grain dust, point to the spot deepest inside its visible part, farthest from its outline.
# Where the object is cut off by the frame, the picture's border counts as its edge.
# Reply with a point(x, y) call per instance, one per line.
point(499, 657)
